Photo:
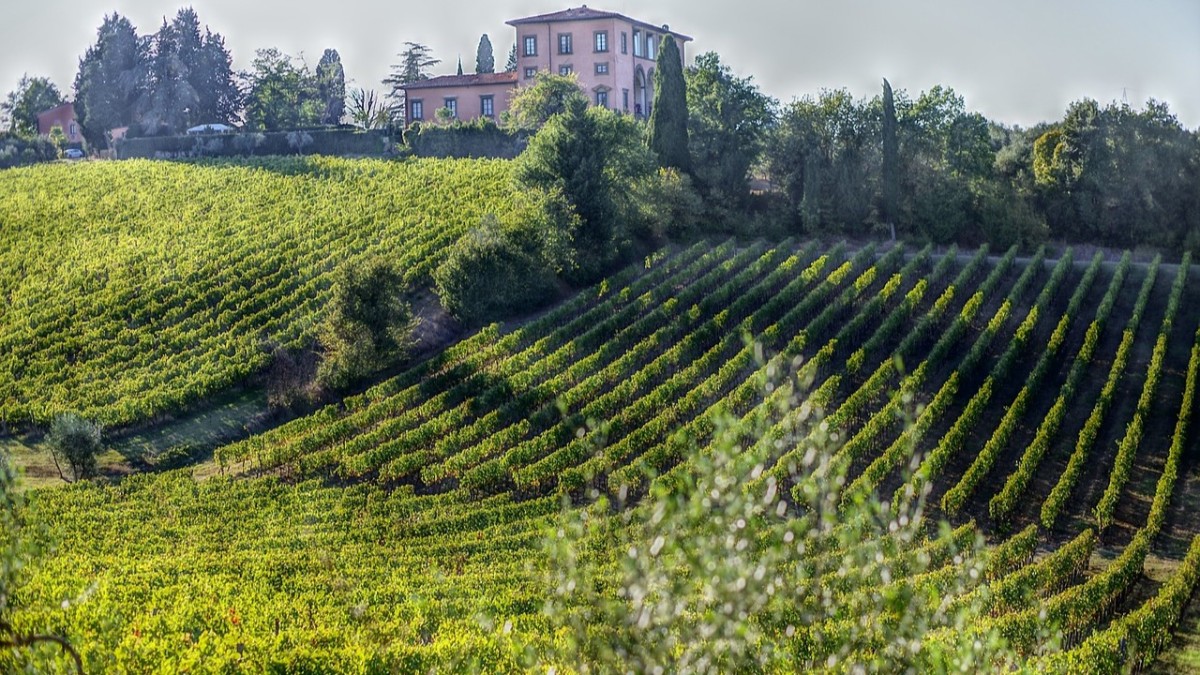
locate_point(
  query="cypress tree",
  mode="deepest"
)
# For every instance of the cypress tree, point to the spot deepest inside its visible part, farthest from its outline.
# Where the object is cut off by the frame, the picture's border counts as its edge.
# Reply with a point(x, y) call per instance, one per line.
point(485, 60)
point(669, 118)
point(891, 160)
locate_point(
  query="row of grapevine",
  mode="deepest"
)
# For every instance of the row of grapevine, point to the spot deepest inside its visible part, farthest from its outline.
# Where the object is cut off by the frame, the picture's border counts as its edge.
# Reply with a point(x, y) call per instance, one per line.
point(1005, 502)
point(1061, 492)
point(956, 497)
point(1127, 449)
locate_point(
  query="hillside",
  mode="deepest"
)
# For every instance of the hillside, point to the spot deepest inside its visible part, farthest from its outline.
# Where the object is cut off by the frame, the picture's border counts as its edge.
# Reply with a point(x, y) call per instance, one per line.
point(1043, 401)
point(134, 289)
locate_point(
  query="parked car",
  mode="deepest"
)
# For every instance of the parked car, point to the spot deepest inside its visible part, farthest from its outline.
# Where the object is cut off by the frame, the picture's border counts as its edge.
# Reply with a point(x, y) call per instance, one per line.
point(73, 153)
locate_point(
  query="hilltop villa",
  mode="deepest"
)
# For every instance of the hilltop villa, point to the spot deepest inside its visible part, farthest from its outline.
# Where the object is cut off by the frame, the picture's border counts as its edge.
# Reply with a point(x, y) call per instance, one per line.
point(612, 55)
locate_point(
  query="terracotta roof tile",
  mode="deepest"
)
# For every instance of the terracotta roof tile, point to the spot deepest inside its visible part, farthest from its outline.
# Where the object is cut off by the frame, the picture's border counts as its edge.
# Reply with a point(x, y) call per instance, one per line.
point(463, 80)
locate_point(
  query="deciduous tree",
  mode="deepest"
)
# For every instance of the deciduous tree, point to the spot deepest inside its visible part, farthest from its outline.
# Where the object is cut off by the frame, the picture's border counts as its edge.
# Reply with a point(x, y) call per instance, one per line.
point(728, 119)
point(75, 442)
point(549, 95)
point(32, 96)
point(282, 93)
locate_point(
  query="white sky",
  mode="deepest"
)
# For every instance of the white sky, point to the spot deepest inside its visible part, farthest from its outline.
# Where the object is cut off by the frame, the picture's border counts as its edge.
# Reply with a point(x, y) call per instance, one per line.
point(1015, 61)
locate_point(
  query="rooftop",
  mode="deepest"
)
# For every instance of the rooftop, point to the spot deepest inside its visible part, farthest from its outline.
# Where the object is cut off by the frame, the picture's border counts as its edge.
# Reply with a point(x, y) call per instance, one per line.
point(471, 80)
point(585, 13)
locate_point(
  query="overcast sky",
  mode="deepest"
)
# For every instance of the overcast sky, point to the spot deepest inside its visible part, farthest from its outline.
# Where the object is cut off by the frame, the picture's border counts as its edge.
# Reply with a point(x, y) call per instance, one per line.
point(1015, 61)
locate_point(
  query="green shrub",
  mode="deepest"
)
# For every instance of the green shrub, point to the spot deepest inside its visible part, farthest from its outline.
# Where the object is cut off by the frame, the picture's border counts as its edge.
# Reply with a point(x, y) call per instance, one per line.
point(368, 325)
point(663, 205)
point(495, 272)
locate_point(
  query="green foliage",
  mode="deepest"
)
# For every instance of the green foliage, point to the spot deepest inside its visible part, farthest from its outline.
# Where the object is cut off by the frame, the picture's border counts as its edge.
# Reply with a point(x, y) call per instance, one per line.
point(495, 272)
point(14, 546)
point(532, 106)
point(577, 156)
point(58, 138)
point(283, 95)
point(21, 150)
point(719, 574)
point(331, 88)
point(485, 60)
point(75, 442)
point(415, 63)
point(822, 155)
point(368, 324)
point(728, 119)
point(32, 96)
point(663, 205)
point(187, 78)
point(1119, 176)
point(110, 79)
point(668, 131)
point(511, 65)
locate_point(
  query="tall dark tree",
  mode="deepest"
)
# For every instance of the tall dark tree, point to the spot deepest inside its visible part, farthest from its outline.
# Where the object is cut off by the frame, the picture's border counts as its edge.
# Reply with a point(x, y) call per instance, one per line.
point(110, 79)
point(168, 99)
point(33, 95)
point(485, 60)
point(215, 83)
point(460, 70)
point(511, 65)
point(569, 156)
point(728, 119)
point(415, 63)
point(331, 87)
point(891, 160)
point(669, 116)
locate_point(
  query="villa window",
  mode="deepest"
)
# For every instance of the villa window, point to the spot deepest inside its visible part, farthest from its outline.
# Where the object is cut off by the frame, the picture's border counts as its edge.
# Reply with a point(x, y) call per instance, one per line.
point(602, 68)
point(530, 45)
point(602, 98)
point(487, 106)
point(418, 109)
point(565, 70)
point(637, 43)
point(625, 99)
point(624, 43)
point(601, 41)
point(530, 73)
point(651, 46)
point(452, 106)
point(564, 43)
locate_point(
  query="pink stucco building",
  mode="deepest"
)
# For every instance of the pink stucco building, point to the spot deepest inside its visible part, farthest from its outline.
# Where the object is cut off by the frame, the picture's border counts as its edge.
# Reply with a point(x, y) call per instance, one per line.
point(61, 116)
point(612, 56)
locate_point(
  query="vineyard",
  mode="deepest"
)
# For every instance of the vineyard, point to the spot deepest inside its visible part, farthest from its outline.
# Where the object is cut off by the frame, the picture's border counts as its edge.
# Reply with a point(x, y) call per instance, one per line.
point(1043, 401)
point(136, 289)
